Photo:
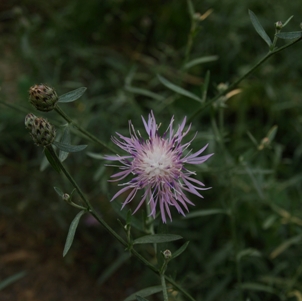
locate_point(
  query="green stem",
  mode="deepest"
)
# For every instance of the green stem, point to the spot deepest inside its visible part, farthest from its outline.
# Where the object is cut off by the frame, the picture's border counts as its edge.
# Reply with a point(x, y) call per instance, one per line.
point(15, 107)
point(94, 213)
point(233, 85)
point(164, 286)
point(82, 130)
point(235, 242)
point(190, 40)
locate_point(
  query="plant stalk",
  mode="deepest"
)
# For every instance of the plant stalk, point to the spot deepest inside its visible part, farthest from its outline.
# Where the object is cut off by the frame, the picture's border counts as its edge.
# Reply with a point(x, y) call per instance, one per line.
point(233, 85)
point(94, 213)
point(82, 130)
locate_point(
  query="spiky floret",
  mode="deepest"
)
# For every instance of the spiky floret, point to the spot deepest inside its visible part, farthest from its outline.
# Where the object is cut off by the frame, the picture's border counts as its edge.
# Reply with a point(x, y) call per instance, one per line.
point(158, 166)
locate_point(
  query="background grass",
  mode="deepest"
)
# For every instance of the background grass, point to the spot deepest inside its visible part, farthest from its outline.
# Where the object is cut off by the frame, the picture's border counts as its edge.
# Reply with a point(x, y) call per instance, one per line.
point(116, 49)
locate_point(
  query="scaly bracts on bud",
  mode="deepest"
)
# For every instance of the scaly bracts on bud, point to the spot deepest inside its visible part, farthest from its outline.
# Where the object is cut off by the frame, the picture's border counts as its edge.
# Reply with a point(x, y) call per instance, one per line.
point(29, 120)
point(42, 132)
point(42, 97)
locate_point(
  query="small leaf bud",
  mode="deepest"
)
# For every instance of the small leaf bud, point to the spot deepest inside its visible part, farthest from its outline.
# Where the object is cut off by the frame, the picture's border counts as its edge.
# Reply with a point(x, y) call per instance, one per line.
point(43, 98)
point(42, 132)
point(29, 120)
point(278, 25)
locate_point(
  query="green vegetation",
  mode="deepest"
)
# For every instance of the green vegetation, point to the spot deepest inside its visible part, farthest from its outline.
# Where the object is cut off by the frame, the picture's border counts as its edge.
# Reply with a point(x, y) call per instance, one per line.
point(176, 58)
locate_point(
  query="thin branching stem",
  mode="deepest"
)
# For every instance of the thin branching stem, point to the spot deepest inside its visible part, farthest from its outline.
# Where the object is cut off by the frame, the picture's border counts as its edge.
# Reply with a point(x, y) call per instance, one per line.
point(164, 286)
point(82, 130)
point(89, 208)
point(234, 84)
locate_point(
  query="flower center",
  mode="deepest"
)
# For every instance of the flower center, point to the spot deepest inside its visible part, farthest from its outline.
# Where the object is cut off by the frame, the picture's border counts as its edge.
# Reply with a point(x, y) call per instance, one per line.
point(157, 162)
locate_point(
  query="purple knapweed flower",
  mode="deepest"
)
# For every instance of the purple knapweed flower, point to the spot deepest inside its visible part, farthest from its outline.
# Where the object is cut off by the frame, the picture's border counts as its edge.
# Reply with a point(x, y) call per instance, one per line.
point(158, 166)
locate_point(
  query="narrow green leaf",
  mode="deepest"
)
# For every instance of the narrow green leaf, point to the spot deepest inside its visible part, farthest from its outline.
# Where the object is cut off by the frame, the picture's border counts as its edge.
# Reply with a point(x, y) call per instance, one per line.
point(71, 232)
point(201, 60)
point(68, 147)
point(257, 287)
point(144, 92)
point(145, 292)
point(272, 133)
point(269, 221)
point(113, 267)
point(44, 163)
point(66, 140)
point(285, 245)
point(59, 191)
point(180, 250)
point(205, 86)
point(260, 30)
point(95, 155)
point(178, 89)
point(287, 21)
point(248, 252)
point(72, 95)
point(289, 35)
point(253, 139)
point(206, 212)
point(156, 238)
point(129, 217)
point(138, 298)
point(11, 279)
point(191, 8)
point(135, 222)
point(51, 160)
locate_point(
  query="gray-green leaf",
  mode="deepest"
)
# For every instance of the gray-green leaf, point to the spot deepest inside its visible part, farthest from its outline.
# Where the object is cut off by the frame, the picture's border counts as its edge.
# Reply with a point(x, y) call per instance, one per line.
point(59, 191)
point(51, 160)
point(206, 212)
point(139, 298)
point(144, 92)
point(260, 30)
point(247, 252)
point(72, 95)
point(178, 89)
point(201, 60)
point(68, 147)
point(180, 250)
point(287, 21)
point(71, 232)
point(66, 140)
point(145, 292)
point(289, 35)
point(257, 287)
point(156, 238)
point(11, 279)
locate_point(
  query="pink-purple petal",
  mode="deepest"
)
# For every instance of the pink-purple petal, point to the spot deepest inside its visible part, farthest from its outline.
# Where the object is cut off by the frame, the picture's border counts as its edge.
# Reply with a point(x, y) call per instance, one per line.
point(158, 167)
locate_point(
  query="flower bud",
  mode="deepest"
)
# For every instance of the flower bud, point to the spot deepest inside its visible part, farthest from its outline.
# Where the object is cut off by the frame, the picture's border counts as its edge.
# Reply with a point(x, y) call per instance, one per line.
point(265, 143)
point(222, 87)
point(42, 132)
point(278, 25)
point(167, 254)
point(29, 120)
point(43, 98)
point(66, 197)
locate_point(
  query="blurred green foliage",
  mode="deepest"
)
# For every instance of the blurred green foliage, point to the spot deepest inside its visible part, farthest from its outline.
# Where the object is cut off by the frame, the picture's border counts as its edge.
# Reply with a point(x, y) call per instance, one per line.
point(116, 49)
